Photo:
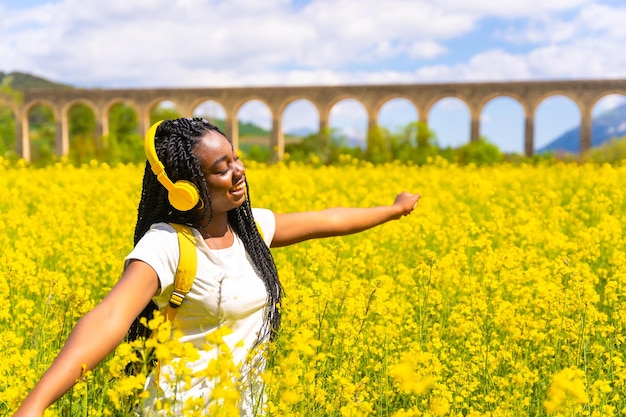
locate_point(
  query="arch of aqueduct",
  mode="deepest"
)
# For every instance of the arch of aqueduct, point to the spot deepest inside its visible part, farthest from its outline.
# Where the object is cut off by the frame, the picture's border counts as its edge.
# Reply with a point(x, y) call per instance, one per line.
point(584, 93)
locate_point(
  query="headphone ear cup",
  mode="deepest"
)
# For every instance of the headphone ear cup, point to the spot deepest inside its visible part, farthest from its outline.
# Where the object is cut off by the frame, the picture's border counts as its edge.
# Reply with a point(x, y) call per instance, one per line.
point(184, 196)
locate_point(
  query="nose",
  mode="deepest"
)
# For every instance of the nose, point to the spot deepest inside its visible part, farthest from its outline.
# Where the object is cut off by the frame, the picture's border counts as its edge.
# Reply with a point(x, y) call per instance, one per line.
point(238, 168)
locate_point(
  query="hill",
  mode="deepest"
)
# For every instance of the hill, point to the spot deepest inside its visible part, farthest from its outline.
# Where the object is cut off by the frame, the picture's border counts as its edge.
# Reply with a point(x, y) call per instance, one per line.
point(606, 126)
point(22, 81)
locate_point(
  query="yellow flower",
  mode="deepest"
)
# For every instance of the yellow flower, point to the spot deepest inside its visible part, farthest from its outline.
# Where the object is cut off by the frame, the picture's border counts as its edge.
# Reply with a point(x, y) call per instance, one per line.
point(465, 307)
point(566, 390)
point(413, 373)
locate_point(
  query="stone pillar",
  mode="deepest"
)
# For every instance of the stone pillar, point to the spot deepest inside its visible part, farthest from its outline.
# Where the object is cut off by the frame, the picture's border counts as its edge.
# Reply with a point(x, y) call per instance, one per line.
point(144, 122)
point(474, 125)
point(232, 131)
point(99, 133)
point(186, 108)
point(21, 138)
point(324, 114)
point(324, 132)
point(102, 128)
point(277, 139)
point(585, 129)
point(18, 139)
point(529, 135)
point(62, 140)
point(371, 121)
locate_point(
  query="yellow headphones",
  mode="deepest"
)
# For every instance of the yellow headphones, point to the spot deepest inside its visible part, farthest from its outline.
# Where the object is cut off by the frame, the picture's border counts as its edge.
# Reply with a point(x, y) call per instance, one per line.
point(183, 195)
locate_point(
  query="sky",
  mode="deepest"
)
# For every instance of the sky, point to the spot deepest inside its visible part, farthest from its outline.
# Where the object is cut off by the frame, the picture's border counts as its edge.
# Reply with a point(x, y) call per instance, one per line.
point(236, 43)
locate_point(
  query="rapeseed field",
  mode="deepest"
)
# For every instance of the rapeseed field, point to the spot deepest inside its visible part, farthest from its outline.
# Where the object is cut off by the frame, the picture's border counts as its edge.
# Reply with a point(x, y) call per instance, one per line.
point(501, 295)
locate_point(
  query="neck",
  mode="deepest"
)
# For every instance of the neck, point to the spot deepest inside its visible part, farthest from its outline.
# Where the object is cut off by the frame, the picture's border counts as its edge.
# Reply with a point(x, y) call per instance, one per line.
point(220, 241)
point(218, 226)
point(217, 234)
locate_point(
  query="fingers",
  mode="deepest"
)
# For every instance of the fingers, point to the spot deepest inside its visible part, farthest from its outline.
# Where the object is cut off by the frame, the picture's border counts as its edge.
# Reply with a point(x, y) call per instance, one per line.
point(417, 199)
point(407, 201)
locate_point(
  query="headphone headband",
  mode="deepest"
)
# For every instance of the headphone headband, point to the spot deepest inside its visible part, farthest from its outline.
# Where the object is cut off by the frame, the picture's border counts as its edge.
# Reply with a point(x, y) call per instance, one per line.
point(182, 195)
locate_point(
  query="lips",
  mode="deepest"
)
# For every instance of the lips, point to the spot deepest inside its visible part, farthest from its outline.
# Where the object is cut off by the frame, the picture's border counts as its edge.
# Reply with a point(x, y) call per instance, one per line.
point(238, 188)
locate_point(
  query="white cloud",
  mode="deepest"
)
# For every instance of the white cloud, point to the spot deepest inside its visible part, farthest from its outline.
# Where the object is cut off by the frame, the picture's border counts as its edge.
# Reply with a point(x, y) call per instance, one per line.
point(193, 43)
point(494, 65)
point(589, 58)
point(609, 103)
point(426, 49)
point(508, 9)
point(544, 30)
point(591, 20)
point(605, 19)
point(155, 40)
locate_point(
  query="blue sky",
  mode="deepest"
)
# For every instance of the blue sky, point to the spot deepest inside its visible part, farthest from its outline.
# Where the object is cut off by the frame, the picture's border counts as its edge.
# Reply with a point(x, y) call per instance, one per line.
point(212, 43)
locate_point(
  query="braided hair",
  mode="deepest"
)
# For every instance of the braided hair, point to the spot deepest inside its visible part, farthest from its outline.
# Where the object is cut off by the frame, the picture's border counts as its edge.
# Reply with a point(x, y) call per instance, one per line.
point(175, 141)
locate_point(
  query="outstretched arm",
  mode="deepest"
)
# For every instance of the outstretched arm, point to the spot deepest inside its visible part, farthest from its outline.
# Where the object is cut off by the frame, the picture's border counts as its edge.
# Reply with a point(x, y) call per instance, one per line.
point(297, 227)
point(94, 337)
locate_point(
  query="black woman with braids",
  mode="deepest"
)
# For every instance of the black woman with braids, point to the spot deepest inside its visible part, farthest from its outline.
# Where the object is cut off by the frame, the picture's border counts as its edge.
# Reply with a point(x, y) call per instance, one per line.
point(236, 282)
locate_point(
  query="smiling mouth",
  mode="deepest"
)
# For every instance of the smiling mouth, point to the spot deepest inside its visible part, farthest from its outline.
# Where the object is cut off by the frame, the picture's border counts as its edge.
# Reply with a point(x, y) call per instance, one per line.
point(238, 187)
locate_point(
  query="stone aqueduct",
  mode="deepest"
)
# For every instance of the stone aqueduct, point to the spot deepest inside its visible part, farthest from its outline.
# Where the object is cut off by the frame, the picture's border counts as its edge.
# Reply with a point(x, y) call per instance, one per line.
point(585, 93)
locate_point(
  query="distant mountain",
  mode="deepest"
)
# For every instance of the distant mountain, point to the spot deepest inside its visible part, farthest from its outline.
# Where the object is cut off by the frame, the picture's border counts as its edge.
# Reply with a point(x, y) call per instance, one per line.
point(606, 126)
point(22, 81)
point(301, 132)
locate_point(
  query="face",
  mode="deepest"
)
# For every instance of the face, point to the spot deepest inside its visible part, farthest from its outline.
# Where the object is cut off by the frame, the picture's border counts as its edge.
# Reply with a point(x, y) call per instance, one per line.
point(223, 170)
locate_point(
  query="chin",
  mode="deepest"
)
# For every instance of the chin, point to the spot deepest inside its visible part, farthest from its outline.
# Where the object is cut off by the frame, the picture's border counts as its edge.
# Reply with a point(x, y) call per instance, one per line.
point(238, 203)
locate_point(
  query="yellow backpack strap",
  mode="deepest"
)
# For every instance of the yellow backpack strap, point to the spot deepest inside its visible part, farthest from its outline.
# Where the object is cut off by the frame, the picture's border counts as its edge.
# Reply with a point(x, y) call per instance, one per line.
point(186, 270)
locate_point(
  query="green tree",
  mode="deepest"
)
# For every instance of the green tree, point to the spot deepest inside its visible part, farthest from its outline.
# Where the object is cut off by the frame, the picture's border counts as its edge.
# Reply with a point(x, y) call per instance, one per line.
point(378, 145)
point(123, 144)
point(42, 135)
point(8, 128)
point(161, 112)
point(479, 152)
point(256, 153)
point(611, 152)
point(323, 147)
point(416, 143)
point(84, 145)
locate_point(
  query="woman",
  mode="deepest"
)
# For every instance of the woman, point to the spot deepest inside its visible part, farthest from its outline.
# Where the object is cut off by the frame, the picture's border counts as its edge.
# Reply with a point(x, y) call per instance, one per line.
point(236, 284)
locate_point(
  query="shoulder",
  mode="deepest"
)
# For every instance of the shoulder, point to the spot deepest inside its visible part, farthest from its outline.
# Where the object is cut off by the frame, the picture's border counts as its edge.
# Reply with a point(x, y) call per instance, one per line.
point(158, 234)
point(266, 222)
point(158, 248)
